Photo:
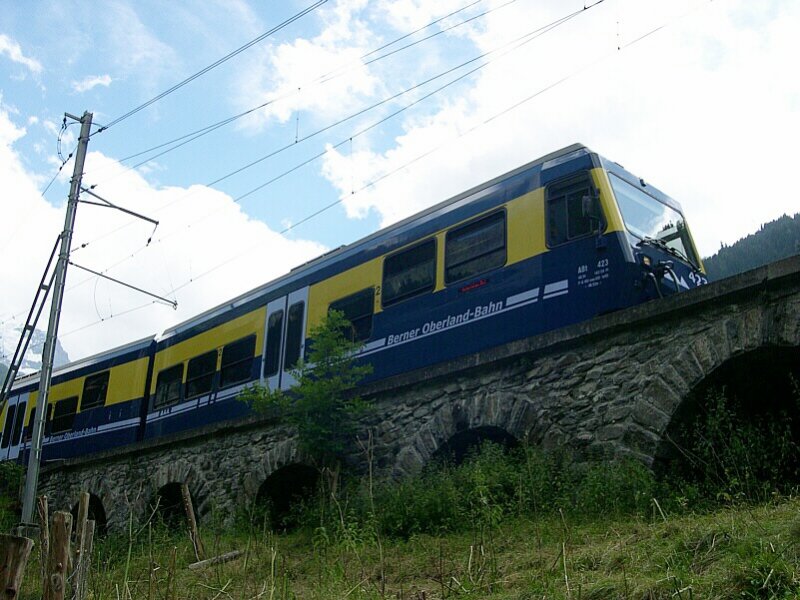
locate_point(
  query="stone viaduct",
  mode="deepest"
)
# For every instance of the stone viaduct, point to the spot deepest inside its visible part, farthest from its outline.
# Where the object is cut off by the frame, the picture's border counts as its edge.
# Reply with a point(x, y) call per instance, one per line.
point(610, 387)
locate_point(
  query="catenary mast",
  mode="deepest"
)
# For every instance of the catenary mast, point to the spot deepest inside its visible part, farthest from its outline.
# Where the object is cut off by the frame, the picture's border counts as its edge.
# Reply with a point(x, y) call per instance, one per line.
point(34, 460)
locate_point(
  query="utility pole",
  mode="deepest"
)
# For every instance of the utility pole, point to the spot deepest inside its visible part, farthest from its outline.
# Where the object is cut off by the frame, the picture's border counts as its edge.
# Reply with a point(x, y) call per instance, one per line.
point(34, 460)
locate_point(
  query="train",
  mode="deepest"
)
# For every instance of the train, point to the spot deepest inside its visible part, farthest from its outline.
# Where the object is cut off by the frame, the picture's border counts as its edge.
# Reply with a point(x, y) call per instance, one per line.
point(562, 239)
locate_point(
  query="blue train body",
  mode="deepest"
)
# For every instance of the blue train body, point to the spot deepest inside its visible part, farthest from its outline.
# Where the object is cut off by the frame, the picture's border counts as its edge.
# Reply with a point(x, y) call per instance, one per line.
point(558, 241)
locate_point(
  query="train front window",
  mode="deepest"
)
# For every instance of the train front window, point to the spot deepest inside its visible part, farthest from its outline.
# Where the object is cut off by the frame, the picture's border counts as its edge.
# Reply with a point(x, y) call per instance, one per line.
point(647, 218)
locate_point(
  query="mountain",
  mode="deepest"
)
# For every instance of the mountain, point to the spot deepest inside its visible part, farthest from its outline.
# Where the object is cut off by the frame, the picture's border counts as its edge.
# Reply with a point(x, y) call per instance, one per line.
point(9, 337)
point(773, 241)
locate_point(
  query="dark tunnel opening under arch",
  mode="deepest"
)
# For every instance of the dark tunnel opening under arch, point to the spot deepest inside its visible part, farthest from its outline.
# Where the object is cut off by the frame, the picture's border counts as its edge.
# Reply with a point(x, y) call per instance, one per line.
point(96, 513)
point(167, 506)
point(469, 441)
point(282, 493)
point(761, 390)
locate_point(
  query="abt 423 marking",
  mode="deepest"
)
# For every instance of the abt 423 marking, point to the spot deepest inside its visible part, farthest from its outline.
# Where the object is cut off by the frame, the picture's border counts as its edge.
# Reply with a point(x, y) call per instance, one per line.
point(593, 278)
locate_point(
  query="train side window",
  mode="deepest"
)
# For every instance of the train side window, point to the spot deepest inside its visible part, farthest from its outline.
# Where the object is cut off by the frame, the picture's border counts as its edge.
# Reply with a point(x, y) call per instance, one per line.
point(475, 247)
point(18, 424)
point(12, 410)
point(274, 337)
point(565, 213)
point(294, 335)
point(45, 426)
point(237, 361)
point(168, 386)
point(357, 309)
point(200, 374)
point(64, 415)
point(409, 273)
point(95, 390)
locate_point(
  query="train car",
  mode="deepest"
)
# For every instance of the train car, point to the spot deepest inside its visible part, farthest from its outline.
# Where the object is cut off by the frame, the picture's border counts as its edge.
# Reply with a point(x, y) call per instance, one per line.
point(94, 404)
point(554, 242)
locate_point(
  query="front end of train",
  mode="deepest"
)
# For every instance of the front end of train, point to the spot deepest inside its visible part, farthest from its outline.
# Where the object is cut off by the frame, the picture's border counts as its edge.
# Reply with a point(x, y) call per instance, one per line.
point(664, 257)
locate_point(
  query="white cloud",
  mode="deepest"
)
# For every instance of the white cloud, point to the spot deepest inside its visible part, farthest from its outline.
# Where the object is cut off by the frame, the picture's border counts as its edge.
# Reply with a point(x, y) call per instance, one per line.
point(278, 71)
point(135, 48)
point(705, 109)
point(12, 49)
point(92, 81)
point(200, 229)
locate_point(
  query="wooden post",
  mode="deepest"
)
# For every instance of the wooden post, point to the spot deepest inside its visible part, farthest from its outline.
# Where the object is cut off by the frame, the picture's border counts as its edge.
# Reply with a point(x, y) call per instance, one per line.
point(44, 538)
point(82, 571)
point(14, 553)
point(56, 584)
point(194, 535)
point(79, 528)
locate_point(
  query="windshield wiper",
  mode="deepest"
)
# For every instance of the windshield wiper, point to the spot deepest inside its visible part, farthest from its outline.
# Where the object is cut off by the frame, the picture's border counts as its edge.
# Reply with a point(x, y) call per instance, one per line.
point(661, 244)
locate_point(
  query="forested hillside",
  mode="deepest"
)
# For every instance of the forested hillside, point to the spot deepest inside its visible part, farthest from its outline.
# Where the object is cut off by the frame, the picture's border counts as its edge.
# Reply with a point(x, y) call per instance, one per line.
point(773, 241)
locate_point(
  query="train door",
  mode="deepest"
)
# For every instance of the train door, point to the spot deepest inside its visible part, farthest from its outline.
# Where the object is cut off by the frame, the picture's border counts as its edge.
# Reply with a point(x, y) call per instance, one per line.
point(273, 342)
point(12, 428)
point(285, 338)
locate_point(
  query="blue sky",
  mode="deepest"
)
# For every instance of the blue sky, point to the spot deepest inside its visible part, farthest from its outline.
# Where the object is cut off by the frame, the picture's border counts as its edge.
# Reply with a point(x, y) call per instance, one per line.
point(705, 106)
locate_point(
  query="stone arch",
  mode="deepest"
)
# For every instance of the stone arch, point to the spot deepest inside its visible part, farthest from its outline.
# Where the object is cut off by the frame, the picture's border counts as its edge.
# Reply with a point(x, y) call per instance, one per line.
point(167, 505)
point(97, 513)
point(670, 379)
point(460, 445)
point(163, 493)
point(278, 454)
point(490, 411)
point(282, 491)
point(760, 383)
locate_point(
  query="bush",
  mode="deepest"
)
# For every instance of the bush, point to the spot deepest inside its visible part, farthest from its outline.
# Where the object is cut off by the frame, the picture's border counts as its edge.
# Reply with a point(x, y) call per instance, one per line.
point(493, 483)
point(731, 454)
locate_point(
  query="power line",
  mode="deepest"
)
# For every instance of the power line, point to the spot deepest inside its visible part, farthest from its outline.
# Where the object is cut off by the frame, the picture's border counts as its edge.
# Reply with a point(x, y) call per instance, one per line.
point(213, 65)
point(503, 50)
point(384, 176)
point(187, 138)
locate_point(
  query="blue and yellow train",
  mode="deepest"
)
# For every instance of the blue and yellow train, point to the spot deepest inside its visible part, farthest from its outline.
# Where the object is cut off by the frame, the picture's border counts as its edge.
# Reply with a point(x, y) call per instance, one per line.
point(559, 240)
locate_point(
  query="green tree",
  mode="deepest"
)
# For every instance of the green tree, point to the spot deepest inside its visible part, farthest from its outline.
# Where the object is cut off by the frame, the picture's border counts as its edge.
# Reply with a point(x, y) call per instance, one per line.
point(323, 406)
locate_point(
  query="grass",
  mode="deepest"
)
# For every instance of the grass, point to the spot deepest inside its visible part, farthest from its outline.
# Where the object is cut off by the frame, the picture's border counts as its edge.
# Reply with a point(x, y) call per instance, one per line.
point(733, 552)
point(516, 525)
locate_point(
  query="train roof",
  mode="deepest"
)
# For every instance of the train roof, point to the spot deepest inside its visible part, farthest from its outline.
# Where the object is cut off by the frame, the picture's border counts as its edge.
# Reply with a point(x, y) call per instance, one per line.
point(341, 252)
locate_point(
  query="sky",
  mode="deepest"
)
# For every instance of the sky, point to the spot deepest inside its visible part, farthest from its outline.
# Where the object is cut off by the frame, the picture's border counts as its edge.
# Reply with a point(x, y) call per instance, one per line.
point(370, 110)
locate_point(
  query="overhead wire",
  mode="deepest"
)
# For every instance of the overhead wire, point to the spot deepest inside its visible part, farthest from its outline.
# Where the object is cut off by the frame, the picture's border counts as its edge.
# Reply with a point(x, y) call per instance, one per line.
point(521, 40)
point(212, 66)
point(508, 47)
point(187, 138)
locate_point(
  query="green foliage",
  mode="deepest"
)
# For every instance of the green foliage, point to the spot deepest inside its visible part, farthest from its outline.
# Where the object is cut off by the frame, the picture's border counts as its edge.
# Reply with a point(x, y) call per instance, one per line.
point(773, 241)
point(491, 486)
point(732, 455)
point(11, 477)
point(322, 406)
